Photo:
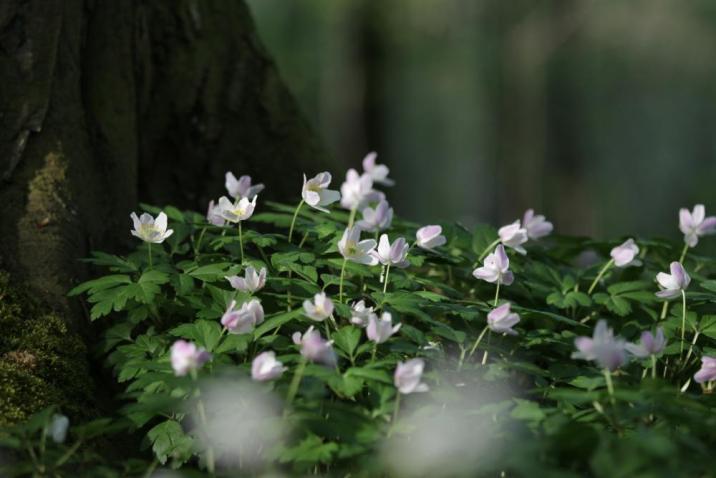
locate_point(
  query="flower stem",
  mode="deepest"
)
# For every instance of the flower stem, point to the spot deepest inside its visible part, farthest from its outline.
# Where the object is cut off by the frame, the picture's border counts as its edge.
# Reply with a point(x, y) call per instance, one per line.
point(295, 382)
point(683, 320)
point(497, 293)
point(487, 250)
point(241, 243)
point(198, 241)
point(610, 385)
point(352, 217)
point(204, 423)
point(375, 350)
point(683, 253)
point(387, 274)
point(653, 366)
point(396, 408)
point(293, 221)
point(477, 342)
point(68, 454)
point(599, 276)
point(664, 310)
point(340, 284)
point(149, 253)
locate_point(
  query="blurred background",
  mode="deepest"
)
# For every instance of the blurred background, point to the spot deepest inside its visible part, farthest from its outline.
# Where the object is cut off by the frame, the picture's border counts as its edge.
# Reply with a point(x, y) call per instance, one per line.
point(599, 114)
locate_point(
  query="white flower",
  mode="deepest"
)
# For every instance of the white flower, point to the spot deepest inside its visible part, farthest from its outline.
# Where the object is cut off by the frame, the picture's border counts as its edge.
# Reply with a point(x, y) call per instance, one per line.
point(186, 357)
point(513, 235)
point(251, 282)
point(241, 188)
point(353, 249)
point(380, 330)
point(315, 191)
point(536, 226)
point(377, 172)
point(625, 254)
point(356, 190)
point(501, 320)
point(150, 230)
point(320, 309)
point(495, 268)
point(407, 376)
point(244, 320)
point(392, 254)
point(377, 219)
point(609, 352)
point(672, 284)
point(265, 367)
point(695, 224)
point(213, 215)
point(58, 428)
point(236, 212)
point(360, 314)
point(314, 347)
point(430, 237)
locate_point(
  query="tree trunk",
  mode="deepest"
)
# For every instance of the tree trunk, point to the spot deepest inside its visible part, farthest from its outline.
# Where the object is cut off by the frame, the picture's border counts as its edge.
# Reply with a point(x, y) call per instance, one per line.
point(106, 103)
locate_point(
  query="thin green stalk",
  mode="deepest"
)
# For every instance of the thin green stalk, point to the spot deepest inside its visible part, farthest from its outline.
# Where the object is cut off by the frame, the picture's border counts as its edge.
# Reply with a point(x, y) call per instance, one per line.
point(241, 243)
point(66, 456)
point(204, 423)
point(293, 221)
point(340, 284)
point(295, 382)
point(198, 241)
point(477, 342)
point(489, 248)
point(387, 274)
point(352, 217)
point(375, 350)
point(149, 251)
point(653, 366)
point(151, 468)
point(664, 310)
point(486, 353)
point(683, 253)
point(396, 409)
point(683, 320)
point(599, 276)
point(497, 293)
point(610, 385)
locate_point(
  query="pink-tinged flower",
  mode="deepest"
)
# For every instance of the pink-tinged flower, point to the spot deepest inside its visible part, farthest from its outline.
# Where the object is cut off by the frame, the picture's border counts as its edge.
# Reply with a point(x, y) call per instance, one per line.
point(360, 314)
point(315, 348)
point(430, 237)
point(380, 330)
point(315, 191)
point(606, 350)
point(378, 172)
point(251, 282)
point(392, 254)
point(265, 367)
point(695, 224)
point(355, 250)
point(213, 214)
point(513, 236)
point(377, 219)
point(241, 188)
point(408, 375)
point(320, 309)
point(243, 320)
point(536, 226)
point(356, 189)
point(149, 229)
point(239, 211)
point(186, 357)
point(707, 372)
point(625, 254)
point(501, 320)
point(495, 268)
point(672, 284)
point(650, 344)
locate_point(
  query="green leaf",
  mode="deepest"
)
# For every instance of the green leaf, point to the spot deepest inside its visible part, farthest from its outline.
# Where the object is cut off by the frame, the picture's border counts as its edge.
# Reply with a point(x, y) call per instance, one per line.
point(205, 333)
point(211, 272)
point(347, 339)
point(169, 441)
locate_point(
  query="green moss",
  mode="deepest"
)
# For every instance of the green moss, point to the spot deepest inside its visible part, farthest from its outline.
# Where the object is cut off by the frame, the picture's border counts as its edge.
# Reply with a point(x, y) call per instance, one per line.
point(42, 362)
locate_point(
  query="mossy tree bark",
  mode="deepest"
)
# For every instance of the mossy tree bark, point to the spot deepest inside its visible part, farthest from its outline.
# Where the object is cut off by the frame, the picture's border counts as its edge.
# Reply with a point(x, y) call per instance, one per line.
point(106, 103)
